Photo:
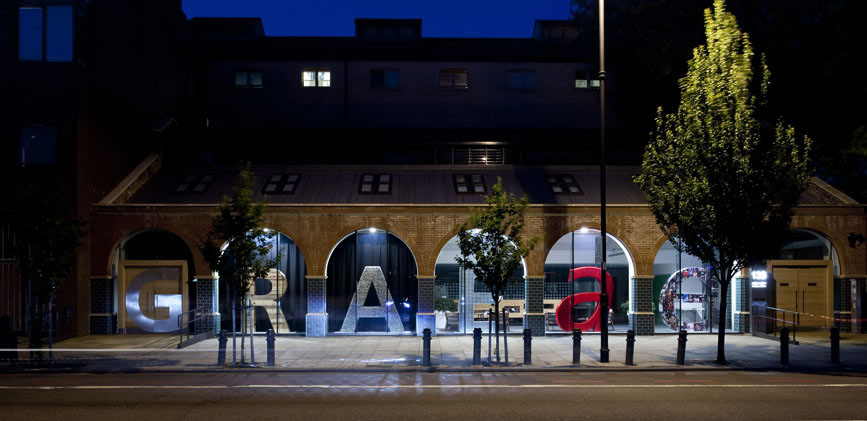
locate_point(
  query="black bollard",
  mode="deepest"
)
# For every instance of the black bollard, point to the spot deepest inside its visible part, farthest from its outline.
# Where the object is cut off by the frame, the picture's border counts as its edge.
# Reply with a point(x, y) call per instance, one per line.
point(425, 353)
point(576, 346)
point(528, 339)
point(630, 346)
point(269, 338)
point(221, 353)
point(784, 346)
point(681, 347)
point(477, 346)
point(835, 345)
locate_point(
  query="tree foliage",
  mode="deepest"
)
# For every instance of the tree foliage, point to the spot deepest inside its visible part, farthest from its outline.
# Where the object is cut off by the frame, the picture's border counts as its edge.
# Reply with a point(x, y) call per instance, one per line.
point(45, 240)
point(717, 173)
point(239, 226)
point(491, 244)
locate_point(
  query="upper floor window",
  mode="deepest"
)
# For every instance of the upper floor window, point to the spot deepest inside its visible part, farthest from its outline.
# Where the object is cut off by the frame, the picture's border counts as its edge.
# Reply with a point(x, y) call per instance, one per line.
point(521, 79)
point(281, 184)
point(563, 184)
point(469, 183)
point(38, 146)
point(320, 78)
point(385, 78)
point(375, 184)
point(248, 79)
point(195, 184)
point(584, 81)
point(45, 33)
point(454, 78)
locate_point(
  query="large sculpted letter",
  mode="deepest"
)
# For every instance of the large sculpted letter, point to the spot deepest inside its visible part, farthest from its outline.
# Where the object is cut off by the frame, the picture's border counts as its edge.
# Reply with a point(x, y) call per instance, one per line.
point(564, 309)
point(174, 302)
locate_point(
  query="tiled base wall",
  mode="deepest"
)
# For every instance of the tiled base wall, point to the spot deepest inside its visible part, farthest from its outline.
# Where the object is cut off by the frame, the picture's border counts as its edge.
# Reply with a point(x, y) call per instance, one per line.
point(317, 325)
point(423, 321)
point(536, 324)
point(105, 324)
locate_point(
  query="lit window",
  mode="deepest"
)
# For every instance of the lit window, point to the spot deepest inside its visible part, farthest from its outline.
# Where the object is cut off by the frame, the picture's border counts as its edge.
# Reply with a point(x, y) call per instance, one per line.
point(51, 40)
point(563, 184)
point(473, 183)
point(385, 79)
point(581, 80)
point(195, 184)
point(281, 184)
point(375, 184)
point(316, 78)
point(248, 79)
point(454, 79)
point(595, 83)
point(524, 80)
point(38, 146)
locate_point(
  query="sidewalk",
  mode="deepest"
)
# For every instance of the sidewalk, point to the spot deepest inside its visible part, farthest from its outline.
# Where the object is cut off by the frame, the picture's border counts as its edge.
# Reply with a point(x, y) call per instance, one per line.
point(156, 353)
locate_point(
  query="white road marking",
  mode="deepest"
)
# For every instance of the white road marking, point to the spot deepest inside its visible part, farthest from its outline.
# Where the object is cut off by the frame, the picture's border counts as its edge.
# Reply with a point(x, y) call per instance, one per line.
point(434, 386)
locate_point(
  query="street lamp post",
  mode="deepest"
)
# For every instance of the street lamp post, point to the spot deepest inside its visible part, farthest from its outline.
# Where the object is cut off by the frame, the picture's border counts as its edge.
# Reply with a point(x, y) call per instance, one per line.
point(603, 296)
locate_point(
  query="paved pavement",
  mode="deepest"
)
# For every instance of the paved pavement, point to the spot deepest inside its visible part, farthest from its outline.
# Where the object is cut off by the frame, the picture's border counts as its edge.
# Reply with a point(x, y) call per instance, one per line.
point(155, 353)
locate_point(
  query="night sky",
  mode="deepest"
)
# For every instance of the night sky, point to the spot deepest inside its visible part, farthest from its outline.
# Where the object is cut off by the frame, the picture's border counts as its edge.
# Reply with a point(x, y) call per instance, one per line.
point(443, 18)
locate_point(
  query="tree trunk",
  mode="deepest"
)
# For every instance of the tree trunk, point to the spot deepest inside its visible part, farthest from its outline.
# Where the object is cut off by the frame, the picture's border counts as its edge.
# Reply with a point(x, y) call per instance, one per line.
point(721, 335)
point(497, 327)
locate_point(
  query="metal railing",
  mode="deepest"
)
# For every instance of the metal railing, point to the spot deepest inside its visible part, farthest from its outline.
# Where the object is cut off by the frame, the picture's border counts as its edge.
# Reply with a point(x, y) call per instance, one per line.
point(768, 320)
point(187, 323)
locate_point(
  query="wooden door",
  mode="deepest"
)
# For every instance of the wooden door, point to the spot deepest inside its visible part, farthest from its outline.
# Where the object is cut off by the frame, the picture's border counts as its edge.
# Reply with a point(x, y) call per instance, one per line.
point(812, 284)
point(787, 289)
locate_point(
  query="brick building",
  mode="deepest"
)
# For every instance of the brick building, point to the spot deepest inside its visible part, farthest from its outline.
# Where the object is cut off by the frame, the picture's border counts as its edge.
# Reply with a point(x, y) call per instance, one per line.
point(369, 152)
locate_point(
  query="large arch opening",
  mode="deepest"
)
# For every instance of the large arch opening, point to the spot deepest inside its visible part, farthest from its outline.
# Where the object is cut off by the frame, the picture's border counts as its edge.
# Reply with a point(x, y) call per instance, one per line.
point(684, 295)
point(279, 300)
point(152, 282)
point(583, 248)
point(371, 285)
point(463, 303)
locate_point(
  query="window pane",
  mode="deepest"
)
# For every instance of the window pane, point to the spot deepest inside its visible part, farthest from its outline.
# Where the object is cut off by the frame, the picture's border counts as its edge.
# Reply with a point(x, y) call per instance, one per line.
point(594, 83)
point(368, 178)
point(392, 79)
point(461, 80)
point(59, 34)
point(30, 33)
point(324, 79)
point(377, 78)
point(580, 83)
point(513, 79)
point(479, 188)
point(385, 178)
point(462, 189)
point(255, 78)
point(240, 78)
point(289, 188)
point(308, 78)
point(270, 187)
point(445, 79)
point(383, 188)
point(528, 80)
point(366, 188)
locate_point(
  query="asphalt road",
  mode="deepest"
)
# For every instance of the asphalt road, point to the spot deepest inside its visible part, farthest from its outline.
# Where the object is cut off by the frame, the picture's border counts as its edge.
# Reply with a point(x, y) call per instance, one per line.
point(458, 396)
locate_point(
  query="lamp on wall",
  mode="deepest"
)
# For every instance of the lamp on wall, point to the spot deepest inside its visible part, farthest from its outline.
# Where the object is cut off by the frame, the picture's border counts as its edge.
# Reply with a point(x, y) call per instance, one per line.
point(855, 240)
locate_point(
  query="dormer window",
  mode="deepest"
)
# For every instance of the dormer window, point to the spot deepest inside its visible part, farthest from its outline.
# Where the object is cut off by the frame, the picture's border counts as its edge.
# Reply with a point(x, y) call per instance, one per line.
point(454, 79)
point(195, 184)
point(45, 33)
point(385, 79)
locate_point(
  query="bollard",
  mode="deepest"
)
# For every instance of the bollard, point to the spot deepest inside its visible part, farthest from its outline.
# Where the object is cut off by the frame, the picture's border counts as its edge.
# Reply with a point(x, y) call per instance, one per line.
point(576, 346)
point(269, 339)
point(784, 346)
point(681, 347)
point(835, 345)
point(528, 339)
point(630, 346)
point(477, 346)
point(221, 353)
point(425, 353)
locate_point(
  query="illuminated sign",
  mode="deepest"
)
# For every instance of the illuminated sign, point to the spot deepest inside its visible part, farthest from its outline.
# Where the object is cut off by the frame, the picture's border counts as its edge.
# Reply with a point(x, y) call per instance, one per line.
point(760, 279)
point(759, 284)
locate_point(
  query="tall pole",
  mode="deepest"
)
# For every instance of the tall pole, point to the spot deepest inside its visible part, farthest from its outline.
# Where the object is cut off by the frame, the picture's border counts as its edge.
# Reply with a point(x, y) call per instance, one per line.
point(603, 297)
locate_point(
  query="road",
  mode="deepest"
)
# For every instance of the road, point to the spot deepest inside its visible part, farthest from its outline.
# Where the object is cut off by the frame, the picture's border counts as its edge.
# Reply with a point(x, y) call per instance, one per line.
point(729, 395)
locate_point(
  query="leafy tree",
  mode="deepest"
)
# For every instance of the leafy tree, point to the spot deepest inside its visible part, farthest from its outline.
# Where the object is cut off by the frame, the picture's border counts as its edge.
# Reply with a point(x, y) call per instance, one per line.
point(44, 243)
point(239, 226)
point(717, 174)
point(491, 244)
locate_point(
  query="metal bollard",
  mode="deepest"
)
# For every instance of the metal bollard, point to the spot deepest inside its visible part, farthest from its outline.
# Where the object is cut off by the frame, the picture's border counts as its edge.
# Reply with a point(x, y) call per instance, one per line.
point(784, 346)
point(528, 339)
point(221, 353)
point(630, 346)
point(835, 345)
point(576, 346)
point(477, 346)
point(425, 353)
point(269, 339)
point(681, 347)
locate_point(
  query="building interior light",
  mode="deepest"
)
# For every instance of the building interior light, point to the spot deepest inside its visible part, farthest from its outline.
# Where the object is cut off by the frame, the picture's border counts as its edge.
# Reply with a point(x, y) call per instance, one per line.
point(583, 230)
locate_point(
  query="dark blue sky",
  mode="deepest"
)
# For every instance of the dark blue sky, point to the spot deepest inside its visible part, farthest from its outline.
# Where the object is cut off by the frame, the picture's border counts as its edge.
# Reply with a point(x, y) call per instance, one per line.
point(441, 18)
